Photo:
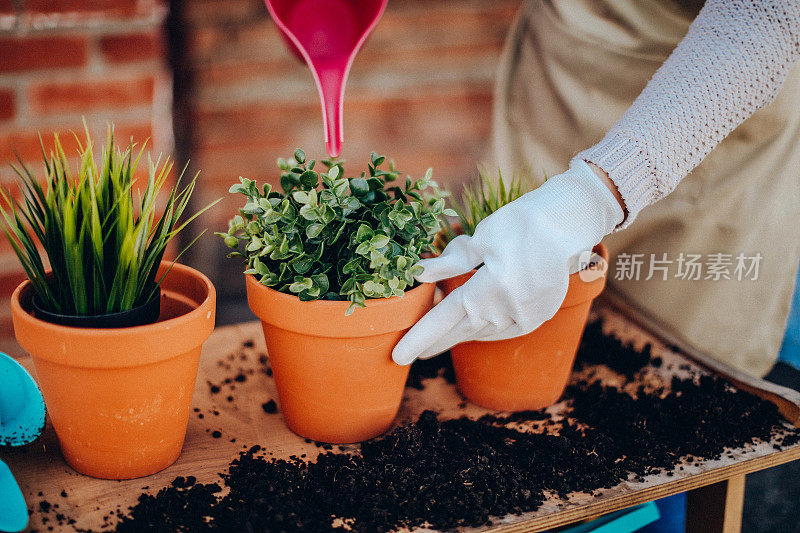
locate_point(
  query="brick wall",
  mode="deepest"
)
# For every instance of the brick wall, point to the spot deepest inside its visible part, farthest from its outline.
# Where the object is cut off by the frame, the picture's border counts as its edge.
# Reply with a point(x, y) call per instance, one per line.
point(420, 91)
point(61, 60)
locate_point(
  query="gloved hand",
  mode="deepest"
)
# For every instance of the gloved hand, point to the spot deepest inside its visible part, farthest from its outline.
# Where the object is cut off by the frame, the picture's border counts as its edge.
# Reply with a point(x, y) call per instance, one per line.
point(528, 249)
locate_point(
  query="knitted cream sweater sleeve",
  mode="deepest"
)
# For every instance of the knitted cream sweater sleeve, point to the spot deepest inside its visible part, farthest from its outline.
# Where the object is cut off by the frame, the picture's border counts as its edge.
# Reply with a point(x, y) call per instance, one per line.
point(731, 63)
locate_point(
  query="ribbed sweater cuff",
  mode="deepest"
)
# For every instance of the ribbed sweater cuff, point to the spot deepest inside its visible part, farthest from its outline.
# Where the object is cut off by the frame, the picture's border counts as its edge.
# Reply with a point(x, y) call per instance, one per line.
point(628, 167)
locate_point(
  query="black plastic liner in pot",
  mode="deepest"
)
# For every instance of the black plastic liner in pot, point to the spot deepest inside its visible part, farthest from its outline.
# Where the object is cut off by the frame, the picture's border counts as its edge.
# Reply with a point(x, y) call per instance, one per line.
point(146, 313)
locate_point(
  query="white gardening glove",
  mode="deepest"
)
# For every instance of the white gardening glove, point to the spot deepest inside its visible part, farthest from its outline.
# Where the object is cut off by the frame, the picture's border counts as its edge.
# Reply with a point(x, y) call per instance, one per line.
point(528, 249)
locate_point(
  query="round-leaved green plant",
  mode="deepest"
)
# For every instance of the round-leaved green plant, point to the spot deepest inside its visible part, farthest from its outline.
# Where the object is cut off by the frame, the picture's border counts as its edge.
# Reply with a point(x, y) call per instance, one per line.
point(328, 236)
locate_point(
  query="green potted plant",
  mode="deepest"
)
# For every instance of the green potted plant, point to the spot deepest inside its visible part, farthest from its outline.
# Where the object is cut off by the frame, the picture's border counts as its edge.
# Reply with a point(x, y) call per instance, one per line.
point(114, 331)
point(330, 272)
point(531, 371)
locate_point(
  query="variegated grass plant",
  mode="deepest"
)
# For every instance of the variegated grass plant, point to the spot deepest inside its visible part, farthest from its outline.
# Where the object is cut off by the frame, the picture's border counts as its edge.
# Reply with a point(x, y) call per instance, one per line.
point(103, 237)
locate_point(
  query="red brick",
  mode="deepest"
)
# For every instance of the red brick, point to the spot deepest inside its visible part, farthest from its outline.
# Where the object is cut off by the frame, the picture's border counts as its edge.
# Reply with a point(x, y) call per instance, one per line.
point(73, 97)
point(10, 280)
point(30, 53)
point(132, 47)
point(81, 6)
point(26, 144)
point(7, 105)
point(139, 132)
point(223, 12)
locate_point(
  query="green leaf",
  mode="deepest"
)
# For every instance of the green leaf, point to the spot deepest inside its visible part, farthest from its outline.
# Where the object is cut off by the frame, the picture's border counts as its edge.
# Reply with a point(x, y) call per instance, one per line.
point(379, 241)
point(309, 178)
point(340, 187)
point(309, 212)
point(364, 248)
point(359, 186)
point(301, 197)
point(321, 281)
point(302, 264)
point(299, 156)
point(364, 233)
point(300, 284)
point(271, 217)
point(313, 230)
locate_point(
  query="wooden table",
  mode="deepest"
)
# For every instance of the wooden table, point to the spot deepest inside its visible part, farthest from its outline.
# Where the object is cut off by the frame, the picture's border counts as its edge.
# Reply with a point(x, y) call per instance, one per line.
point(716, 488)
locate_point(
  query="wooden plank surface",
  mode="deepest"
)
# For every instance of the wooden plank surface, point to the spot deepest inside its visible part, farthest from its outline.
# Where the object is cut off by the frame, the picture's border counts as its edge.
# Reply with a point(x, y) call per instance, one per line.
point(242, 423)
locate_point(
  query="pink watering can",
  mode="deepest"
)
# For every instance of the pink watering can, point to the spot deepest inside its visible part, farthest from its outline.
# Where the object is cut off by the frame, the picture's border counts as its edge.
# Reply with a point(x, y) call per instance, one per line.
point(327, 34)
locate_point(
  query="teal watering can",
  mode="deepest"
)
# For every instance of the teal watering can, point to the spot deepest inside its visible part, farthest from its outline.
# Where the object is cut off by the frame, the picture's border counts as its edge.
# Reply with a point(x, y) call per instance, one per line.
point(21, 422)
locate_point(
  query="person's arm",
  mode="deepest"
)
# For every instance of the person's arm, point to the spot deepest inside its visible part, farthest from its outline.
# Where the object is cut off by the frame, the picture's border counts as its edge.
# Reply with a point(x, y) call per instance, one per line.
point(732, 62)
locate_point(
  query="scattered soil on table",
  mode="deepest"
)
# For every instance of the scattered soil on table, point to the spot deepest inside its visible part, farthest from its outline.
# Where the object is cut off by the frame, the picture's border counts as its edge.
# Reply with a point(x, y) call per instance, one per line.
point(462, 472)
point(233, 363)
point(270, 407)
point(599, 349)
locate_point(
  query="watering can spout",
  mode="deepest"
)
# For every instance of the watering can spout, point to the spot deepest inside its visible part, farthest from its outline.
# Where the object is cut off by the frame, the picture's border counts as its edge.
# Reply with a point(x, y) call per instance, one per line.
point(332, 96)
point(327, 34)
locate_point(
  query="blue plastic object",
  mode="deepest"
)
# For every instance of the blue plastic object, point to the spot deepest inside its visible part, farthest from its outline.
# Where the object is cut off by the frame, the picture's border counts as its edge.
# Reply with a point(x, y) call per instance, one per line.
point(673, 515)
point(13, 510)
point(624, 521)
point(21, 422)
point(790, 350)
point(21, 404)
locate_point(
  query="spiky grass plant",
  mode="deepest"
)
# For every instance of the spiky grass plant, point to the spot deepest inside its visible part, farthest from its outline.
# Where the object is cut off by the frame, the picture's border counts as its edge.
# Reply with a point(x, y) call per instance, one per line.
point(480, 199)
point(104, 241)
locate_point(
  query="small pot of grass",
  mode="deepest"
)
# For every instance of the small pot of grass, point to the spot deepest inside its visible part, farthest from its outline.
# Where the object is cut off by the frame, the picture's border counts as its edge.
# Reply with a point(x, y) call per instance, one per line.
point(527, 372)
point(103, 233)
point(92, 243)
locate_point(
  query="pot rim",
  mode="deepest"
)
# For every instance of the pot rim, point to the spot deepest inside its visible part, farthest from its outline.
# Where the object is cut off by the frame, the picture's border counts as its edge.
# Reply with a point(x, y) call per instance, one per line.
point(344, 304)
point(68, 343)
point(326, 318)
point(21, 293)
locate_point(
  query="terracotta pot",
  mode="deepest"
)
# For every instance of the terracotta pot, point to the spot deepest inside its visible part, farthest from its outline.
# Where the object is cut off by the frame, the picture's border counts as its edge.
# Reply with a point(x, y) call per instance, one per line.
point(334, 373)
point(531, 371)
point(119, 398)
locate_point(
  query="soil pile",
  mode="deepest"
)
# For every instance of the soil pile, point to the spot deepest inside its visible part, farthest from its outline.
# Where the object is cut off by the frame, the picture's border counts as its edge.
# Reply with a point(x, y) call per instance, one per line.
point(463, 472)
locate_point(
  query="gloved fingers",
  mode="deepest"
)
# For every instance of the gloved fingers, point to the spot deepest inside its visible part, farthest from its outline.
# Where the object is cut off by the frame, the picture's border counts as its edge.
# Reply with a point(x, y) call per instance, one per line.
point(475, 297)
point(464, 331)
point(431, 328)
point(459, 257)
point(497, 334)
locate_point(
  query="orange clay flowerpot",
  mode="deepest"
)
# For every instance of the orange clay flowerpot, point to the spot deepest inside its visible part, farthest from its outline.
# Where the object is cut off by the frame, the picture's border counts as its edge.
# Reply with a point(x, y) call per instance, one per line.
point(119, 398)
point(334, 373)
point(531, 371)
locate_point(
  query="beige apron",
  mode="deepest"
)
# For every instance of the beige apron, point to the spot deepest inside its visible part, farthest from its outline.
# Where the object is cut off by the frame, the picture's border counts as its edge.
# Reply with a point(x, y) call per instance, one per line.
point(570, 70)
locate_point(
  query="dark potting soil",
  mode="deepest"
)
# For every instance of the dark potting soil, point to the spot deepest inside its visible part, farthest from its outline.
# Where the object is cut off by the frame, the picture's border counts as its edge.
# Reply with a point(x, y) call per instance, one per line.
point(462, 472)
point(599, 349)
point(422, 369)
